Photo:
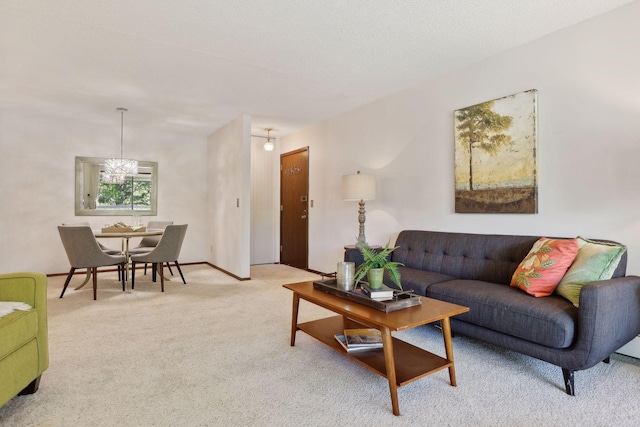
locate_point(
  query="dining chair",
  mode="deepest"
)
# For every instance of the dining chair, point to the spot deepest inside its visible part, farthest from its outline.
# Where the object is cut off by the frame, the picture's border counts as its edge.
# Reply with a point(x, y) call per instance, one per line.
point(167, 250)
point(83, 251)
point(105, 249)
point(147, 244)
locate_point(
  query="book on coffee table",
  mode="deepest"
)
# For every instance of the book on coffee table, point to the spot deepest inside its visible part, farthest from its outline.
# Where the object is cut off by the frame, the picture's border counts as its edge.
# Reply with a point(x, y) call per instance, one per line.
point(363, 338)
point(341, 339)
point(343, 342)
point(384, 292)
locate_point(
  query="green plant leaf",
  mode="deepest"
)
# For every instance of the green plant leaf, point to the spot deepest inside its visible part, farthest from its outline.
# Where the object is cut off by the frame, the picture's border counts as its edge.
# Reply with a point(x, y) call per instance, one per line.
point(378, 259)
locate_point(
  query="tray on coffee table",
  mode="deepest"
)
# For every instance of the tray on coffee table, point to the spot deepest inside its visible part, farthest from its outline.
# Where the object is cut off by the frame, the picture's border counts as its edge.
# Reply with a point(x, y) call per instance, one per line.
point(400, 299)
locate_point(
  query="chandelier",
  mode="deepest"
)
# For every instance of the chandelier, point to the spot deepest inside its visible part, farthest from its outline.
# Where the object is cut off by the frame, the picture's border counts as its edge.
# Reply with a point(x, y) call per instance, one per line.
point(116, 169)
point(108, 178)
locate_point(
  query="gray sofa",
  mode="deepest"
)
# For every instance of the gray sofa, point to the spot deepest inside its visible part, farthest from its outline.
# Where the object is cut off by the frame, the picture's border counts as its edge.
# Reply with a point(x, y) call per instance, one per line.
point(475, 270)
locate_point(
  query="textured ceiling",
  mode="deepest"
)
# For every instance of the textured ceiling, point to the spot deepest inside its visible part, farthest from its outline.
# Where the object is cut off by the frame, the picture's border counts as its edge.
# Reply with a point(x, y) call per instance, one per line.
point(194, 65)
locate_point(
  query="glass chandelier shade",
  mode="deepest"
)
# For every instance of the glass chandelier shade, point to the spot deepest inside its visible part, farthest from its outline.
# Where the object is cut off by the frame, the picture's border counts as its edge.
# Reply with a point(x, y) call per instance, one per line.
point(108, 178)
point(268, 146)
point(121, 167)
point(117, 168)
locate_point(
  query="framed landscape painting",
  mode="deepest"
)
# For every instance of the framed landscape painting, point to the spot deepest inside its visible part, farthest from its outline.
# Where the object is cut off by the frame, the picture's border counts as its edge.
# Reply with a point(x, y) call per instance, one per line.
point(495, 156)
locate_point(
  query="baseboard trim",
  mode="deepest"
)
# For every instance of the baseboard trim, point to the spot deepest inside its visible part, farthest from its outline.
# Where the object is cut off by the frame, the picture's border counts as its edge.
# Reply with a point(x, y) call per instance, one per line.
point(632, 348)
point(140, 267)
point(242, 279)
point(310, 270)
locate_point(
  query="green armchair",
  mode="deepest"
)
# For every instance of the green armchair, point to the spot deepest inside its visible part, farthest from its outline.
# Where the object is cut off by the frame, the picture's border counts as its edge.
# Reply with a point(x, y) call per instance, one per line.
point(24, 348)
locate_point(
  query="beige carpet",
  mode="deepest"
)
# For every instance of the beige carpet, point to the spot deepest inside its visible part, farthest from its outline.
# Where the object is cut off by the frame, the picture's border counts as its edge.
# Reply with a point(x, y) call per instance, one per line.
point(215, 352)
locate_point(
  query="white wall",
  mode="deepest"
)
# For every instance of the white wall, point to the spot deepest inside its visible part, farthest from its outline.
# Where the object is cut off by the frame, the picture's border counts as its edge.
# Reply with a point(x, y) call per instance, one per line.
point(588, 84)
point(37, 167)
point(229, 197)
point(265, 202)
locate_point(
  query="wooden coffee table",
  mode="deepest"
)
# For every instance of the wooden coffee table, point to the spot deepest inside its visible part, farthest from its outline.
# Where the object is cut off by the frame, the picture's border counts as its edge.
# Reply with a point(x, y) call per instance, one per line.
point(400, 362)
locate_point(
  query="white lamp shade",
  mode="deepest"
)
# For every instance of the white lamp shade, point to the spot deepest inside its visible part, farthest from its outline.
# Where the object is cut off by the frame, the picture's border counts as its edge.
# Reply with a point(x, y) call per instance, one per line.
point(358, 187)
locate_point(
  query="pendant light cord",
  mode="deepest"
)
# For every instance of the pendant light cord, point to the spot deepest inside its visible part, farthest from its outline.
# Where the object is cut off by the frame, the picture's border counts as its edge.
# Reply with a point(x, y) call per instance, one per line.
point(122, 134)
point(122, 110)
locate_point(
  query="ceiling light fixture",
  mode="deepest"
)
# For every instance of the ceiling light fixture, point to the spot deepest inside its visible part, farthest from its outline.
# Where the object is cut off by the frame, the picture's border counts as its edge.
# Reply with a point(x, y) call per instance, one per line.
point(268, 145)
point(116, 169)
point(108, 178)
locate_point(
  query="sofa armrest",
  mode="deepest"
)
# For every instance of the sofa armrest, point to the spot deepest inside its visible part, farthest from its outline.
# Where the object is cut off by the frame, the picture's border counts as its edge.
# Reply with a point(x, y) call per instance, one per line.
point(608, 318)
point(30, 288)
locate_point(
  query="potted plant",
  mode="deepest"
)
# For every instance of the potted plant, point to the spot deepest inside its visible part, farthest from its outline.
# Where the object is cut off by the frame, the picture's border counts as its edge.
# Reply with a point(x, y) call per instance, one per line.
point(375, 262)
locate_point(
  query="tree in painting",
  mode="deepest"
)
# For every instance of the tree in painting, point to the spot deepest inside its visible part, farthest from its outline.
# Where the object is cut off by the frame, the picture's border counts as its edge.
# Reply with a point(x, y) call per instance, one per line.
point(481, 127)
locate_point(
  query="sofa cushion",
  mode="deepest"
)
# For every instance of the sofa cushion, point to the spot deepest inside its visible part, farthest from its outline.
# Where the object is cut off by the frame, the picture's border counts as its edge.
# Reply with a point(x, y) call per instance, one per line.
point(547, 321)
point(542, 269)
point(418, 280)
point(487, 257)
point(17, 329)
point(595, 261)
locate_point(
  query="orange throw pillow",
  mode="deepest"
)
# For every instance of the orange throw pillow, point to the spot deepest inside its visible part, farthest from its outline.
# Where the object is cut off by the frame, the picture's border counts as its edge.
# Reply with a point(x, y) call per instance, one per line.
point(543, 268)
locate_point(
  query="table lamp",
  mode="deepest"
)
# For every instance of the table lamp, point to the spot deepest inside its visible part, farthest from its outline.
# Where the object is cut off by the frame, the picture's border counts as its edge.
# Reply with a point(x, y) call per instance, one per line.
point(359, 187)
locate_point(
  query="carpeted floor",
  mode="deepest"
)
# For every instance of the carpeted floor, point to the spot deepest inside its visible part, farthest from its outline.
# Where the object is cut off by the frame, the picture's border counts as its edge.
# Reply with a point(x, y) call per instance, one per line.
point(215, 352)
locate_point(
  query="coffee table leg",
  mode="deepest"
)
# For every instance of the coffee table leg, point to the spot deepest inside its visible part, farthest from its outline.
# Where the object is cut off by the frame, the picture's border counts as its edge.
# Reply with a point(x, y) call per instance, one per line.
point(448, 345)
point(389, 361)
point(294, 318)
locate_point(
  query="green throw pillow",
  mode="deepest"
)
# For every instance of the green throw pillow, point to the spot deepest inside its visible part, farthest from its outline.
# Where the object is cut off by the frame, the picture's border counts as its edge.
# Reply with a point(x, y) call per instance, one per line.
point(595, 261)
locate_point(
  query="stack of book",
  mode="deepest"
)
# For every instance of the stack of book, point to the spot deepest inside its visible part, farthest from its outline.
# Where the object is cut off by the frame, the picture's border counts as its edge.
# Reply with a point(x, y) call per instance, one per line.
point(360, 339)
point(380, 294)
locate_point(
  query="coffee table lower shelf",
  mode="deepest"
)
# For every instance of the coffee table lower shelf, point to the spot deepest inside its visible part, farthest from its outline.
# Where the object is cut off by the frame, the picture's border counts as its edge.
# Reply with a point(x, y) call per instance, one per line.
point(411, 362)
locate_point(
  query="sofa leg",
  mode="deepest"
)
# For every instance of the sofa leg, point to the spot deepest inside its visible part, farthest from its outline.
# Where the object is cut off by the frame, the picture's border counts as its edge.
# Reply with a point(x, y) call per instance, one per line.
point(569, 382)
point(437, 325)
point(607, 360)
point(31, 388)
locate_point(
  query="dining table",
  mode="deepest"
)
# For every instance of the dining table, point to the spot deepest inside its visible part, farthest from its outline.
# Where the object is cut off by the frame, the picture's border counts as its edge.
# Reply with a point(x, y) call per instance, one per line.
point(125, 236)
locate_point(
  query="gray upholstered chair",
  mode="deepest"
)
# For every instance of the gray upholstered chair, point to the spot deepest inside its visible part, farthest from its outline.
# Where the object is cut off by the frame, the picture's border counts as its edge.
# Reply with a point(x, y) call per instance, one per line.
point(105, 249)
point(148, 243)
point(168, 250)
point(83, 251)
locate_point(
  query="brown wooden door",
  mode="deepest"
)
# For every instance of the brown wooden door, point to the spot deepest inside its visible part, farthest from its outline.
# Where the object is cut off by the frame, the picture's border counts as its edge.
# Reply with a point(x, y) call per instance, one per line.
point(294, 209)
